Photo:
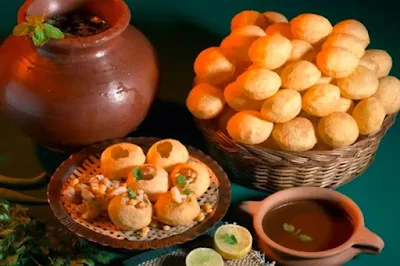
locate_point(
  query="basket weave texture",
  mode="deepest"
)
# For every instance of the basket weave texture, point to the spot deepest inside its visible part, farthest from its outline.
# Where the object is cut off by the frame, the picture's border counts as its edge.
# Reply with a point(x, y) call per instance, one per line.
point(272, 170)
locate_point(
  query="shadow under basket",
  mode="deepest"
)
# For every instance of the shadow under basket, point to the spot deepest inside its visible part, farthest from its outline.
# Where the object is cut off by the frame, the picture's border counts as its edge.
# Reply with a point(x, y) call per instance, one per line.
point(272, 170)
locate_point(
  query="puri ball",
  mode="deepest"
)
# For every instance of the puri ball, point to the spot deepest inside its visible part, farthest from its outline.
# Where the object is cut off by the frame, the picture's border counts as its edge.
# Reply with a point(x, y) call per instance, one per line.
point(321, 100)
point(249, 30)
point(382, 58)
point(295, 135)
point(213, 66)
point(361, 84)
point(117, 160)
point(325, 80)
point(274, 17)
point(167, 153)
point(236, 98)
point(282, 107)
point(299, 75)
point(301, 50)
point(370, 64)
point(345, 105)
point(205, 101)
point(311, 28)
point(388, 94)
point(355, 28)
point(259, 84)
point(336, 62)
point(236, 48)
point(338, 130)
point(369, 115)
point(270, 52)
point(248, 17)
point(345, 41)
point(249, 127)
point(282, 28)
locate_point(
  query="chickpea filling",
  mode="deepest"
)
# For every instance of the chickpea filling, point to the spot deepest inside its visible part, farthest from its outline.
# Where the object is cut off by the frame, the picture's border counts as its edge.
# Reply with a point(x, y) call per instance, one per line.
point(164, 149)
point(118, 153)
point(148, 172)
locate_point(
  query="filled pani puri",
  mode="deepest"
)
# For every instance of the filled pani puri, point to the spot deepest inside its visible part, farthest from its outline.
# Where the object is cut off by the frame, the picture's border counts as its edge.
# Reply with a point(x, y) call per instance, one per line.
point(311, 28)
point(282, 107)
point(338, 129)
point(270, 52)
point(193, 176)
point(205, 101)
point(336, 62)
point(249, 127)
point(259, 84)
point(360, 84)
point(321, 100)
point(369, 115)
point(299, 75)
point(295, 135)
point(388, 93)
point(117, 160)
point(176, 208)
point(382, 59)
point(167, 153)
point(236, 98)
point(152, 179)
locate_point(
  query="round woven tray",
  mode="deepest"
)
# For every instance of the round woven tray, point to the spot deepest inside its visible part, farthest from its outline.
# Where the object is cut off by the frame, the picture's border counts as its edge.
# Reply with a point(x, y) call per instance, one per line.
point(272, 170)
point(103, 231)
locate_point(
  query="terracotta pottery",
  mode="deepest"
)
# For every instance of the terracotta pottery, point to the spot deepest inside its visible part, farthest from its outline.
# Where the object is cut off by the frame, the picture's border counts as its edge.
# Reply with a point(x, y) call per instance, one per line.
point(78, 91)
point(361, 241)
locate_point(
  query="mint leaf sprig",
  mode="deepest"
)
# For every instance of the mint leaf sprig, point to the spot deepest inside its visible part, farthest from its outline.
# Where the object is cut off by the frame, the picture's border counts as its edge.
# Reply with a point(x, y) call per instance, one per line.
point(36, 28)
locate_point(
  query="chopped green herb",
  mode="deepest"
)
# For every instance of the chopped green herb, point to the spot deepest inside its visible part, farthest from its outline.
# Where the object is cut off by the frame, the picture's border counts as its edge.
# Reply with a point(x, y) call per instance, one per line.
point(304, 238)
point(181, 180)
point(137, 173)
point(289, 228)
point(230, 239)
point(187, 191)
point(297, 232)
point(131, 193)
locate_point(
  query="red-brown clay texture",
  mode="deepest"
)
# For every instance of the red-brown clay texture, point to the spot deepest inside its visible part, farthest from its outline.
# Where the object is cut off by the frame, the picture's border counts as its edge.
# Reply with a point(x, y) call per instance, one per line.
point(78, 91)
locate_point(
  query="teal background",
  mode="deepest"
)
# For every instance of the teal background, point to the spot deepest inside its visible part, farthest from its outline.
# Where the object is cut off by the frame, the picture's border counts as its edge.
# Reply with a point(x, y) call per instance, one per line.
point(179, 30)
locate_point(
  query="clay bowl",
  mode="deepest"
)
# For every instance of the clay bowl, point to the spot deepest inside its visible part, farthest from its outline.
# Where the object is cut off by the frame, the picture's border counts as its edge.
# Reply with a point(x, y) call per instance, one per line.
point(362, 240)
point(80, 162)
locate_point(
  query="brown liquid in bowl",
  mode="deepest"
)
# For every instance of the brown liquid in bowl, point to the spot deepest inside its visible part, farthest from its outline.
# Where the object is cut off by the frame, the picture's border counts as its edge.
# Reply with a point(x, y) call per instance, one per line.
point(309, 225)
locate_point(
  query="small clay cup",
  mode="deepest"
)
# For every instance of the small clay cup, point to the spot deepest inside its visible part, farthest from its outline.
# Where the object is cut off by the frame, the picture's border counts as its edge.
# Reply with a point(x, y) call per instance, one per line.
point(361, 241)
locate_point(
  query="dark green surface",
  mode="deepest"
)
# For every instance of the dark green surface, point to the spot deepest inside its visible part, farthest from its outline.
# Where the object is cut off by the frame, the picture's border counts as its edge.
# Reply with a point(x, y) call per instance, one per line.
point(179, 30)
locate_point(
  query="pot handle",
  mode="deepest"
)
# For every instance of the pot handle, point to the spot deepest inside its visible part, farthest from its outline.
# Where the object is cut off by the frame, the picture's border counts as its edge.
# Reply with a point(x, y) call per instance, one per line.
point(368, 242)
point(250, 207)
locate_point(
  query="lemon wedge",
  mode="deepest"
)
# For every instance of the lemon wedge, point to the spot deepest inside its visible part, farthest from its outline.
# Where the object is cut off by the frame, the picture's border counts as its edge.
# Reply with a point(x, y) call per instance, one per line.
point(204, 257)
point(232, 241)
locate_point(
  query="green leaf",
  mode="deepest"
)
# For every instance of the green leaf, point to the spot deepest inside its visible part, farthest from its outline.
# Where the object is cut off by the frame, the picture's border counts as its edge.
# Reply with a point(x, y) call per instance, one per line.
point(131, 193)
point(289, 228)
point(137, 173)
point(22, 29)
point(230, 239)
point(181, 180)
point(187, 191)
point(304, 238)
point(4, 217)
point(39, 34)
point(37, 42)
point(52, 32)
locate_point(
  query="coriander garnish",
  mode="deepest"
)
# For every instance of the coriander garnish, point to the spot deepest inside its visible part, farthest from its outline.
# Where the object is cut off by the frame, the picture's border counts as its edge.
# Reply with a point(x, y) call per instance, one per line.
point(187, 191)
point(181, 180)
point(137, 173)
point(292, 230)
point(132, 194)
point(230, 239)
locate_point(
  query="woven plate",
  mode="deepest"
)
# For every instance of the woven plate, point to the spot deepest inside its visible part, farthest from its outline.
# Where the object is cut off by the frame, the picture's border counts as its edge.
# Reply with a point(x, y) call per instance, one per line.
point(103, 231)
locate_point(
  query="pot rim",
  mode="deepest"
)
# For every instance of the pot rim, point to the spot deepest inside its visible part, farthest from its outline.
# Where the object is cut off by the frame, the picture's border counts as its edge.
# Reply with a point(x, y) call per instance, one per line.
point(308, 193)
point(84, 42)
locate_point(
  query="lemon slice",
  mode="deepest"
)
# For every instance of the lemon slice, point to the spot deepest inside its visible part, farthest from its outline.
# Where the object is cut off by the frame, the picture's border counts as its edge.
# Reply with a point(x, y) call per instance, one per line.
point(232, 241)
point(204, 257)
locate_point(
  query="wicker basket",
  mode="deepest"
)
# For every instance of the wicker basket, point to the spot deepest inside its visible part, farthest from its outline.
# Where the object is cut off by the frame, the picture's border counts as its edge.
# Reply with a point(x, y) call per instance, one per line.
point(272, 170)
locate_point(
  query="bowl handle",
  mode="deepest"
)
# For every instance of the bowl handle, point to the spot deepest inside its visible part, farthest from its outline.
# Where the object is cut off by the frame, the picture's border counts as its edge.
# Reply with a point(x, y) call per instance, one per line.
point(250, 207)
point(368, 242)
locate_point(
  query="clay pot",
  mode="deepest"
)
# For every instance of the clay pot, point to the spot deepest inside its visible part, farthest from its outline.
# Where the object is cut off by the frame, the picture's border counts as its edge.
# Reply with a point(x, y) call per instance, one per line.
point(361, 241)
point(78, 91)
